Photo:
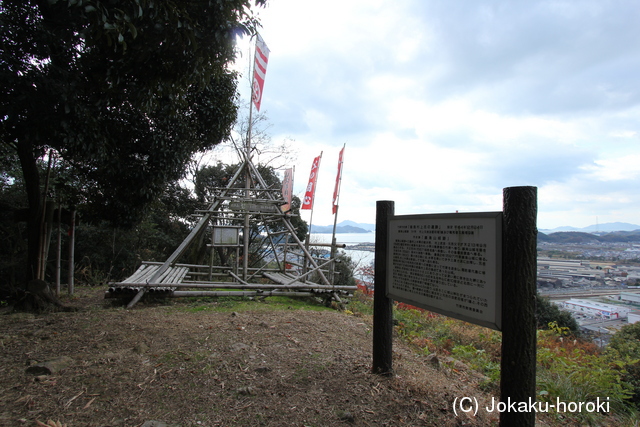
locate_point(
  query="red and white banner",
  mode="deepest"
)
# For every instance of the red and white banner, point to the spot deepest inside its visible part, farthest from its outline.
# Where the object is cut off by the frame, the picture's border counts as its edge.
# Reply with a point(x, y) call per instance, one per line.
point(287, 189)
point(307, 202)
point(259, 71)
point(336, 190)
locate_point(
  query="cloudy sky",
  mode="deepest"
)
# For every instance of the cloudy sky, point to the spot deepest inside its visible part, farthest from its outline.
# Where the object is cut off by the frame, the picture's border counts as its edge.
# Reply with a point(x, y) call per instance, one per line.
point(442, 104)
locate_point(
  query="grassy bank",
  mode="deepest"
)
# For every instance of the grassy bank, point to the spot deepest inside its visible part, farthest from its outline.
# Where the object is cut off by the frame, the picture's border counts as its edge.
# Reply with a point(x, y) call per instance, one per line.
point(568, 369)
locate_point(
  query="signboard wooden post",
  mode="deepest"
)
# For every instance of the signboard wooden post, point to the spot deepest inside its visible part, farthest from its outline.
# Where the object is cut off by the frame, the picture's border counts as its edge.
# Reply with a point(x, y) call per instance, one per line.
point(518, 362)
point(382, 305)
point(456, 264)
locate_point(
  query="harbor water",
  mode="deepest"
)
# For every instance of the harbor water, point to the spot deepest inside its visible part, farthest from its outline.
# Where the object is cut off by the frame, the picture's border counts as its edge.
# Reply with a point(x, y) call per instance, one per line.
point(359, 257)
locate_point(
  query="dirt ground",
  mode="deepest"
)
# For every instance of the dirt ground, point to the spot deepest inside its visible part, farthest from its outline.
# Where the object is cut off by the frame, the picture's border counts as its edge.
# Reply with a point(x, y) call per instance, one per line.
point(185, 365)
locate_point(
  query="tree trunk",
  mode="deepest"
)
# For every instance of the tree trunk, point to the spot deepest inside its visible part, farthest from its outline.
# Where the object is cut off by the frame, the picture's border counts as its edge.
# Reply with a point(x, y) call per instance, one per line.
point(29, 165)
point(222, 254)
point(46, 227)
point(34, 295)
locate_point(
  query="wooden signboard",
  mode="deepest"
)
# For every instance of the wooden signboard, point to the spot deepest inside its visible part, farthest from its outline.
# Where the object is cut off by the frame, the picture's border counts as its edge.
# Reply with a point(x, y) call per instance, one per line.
point(449, 264)
point(225, 236)
point(257, 206)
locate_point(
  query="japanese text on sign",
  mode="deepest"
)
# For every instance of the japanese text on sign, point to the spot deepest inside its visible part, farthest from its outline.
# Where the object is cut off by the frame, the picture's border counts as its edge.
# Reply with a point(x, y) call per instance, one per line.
point(449, 264)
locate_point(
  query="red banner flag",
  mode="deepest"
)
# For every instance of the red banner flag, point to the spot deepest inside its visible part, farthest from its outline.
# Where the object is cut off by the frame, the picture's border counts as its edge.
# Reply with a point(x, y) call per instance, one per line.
point(287, 189)
point(307, 203)
point(259, 71)
point(336, 190)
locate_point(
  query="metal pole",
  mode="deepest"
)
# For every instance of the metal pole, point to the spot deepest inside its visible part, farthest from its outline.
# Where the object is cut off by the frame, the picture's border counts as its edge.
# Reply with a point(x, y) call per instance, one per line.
point(518, 362)
point(382, 305)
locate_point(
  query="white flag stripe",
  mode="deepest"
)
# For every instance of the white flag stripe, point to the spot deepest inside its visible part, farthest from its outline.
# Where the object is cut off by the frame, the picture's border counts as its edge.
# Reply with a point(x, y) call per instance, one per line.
point(259, 70)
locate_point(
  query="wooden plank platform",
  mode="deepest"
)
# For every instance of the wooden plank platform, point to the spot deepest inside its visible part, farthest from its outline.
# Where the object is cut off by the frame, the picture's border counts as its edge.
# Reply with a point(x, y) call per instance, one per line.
point(173, 279)
point(139, 281)
point(290, 280)
point(142, 275)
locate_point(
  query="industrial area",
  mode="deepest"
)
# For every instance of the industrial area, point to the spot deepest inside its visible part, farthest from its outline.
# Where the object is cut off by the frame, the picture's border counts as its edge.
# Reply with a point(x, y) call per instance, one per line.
point(602, 296)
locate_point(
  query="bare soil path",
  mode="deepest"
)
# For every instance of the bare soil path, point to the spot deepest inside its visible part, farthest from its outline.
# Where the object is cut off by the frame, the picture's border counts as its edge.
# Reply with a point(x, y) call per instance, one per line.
point(188, 365)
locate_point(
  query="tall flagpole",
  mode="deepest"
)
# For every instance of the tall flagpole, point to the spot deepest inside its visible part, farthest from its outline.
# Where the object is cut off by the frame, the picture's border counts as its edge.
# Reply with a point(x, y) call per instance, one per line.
point(247, 182)
point(260, 59)
point(336, 206)
point(336, 194)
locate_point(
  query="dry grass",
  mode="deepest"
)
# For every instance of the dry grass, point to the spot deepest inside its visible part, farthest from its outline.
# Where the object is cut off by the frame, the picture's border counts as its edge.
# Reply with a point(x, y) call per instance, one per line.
point(198, 366)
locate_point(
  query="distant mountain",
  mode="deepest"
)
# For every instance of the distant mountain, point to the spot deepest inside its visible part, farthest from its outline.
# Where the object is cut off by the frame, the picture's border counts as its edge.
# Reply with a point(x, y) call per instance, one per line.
point(368, 227)
point(568, 237)
point(612, 226)
point(344, 227)
point(321, 229)
point(581, 237)
point(606, 227)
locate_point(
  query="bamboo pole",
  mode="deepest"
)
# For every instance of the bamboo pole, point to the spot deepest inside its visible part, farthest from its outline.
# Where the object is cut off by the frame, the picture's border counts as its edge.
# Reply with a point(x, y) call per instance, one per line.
point(72, 246)
point(59, 251)
point(200, 226)
point(177, 294)
point(45, 226)
point(247, 228)
point(335, 215)
point(311, 272)
point(293, 233)
point(240, 285)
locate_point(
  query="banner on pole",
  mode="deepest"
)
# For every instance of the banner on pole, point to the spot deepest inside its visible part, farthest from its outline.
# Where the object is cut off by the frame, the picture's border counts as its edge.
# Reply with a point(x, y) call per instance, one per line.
point(336, 190)
point(287, 189)
point(259, 71)
point(307, 202)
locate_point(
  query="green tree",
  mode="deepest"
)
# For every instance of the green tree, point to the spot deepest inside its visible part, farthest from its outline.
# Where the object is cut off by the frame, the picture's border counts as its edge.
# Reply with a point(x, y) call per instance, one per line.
point(627, 341)
point(105, 252)
point(547, 312)
point(125, 92)
point(344, 268)
point(209, 178)
point(625, 345)
point(12, 243)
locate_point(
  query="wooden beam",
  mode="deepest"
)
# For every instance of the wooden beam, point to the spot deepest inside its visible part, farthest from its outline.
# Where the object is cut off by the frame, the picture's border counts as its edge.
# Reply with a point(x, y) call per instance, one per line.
point(518, 361)
point(382, 305)
point(200, 226)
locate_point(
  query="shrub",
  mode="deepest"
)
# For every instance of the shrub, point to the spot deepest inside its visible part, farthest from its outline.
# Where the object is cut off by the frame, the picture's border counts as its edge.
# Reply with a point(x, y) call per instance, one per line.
point(625, 347)
point(573, 370)
point(547, 312)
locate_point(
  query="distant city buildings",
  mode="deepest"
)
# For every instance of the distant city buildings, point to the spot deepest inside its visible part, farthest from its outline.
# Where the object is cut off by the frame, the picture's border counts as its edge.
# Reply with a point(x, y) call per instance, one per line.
point(596, 309)
point(556, 273)
point(596, 282)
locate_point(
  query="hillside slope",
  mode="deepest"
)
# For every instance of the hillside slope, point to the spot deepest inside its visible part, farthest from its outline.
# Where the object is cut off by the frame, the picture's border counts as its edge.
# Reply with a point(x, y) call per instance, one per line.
point(192, 364)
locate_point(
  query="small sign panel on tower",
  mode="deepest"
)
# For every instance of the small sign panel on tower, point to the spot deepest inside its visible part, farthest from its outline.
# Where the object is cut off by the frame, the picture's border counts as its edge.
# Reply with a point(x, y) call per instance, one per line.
point(225, 236)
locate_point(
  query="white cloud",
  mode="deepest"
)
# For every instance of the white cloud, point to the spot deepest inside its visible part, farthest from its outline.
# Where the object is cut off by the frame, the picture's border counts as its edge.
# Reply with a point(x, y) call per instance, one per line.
point(444, 104)
point(626, 168)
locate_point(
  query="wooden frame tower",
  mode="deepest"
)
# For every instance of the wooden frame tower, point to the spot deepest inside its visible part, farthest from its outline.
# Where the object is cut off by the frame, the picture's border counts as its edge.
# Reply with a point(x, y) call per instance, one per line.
point(236, 212)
